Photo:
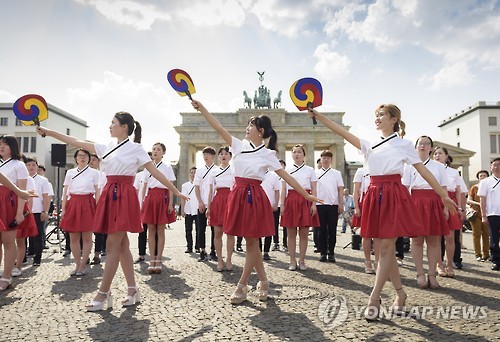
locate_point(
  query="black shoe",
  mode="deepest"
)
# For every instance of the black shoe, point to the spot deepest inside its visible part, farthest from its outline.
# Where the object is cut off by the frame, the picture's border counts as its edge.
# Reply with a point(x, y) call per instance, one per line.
point(103, 253)
point(316, 250)
point(96, 261)
point(45, 247)
point(213, 256)
point(188, 251)
point(322, 258)
point(30, 255)
point(197, 250)
point(331, 258)
point(276, 247)
point(458, 265)
point(36, 263)
point(495, 267)
point(342, 231)
point(266, 256)
point(203, 256)
point(139, 260)
point(239, 249)
point(88, 261)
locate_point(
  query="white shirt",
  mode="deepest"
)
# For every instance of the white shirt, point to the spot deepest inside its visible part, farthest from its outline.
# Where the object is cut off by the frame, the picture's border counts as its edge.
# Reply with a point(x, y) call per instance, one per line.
point(270, 184)
point(303, 174)
point(124, 161)
point(81, 182)
point(166, 169)
point(388, 156)
point(223, 178)
point(251, 161)
point(362, 177)
point(453, 178)
point(202, 178)
point(329, 181)
point(42, 186)
point(413, 179)
point(490, 188)
point(102, 180)
point(191, 206)
point(139, 185)
point(14, 170)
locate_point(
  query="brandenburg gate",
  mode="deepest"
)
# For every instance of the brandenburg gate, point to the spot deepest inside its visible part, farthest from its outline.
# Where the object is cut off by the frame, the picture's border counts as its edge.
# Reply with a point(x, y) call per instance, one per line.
point(292, 128)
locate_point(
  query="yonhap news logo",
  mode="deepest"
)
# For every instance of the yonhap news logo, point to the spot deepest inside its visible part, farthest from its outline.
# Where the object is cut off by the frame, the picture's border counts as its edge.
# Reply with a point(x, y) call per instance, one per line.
point(333, 311)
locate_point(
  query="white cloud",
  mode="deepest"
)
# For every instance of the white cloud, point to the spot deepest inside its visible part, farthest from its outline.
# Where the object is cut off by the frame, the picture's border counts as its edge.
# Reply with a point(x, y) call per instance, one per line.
point(126, 12)
point(213, 13)
point(149, 105)
point(5, 96)
point(330, 64)
point(450, 75)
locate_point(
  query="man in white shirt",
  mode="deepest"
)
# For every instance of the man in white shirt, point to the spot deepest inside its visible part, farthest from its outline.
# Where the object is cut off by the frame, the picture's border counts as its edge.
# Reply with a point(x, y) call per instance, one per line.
point(489, 194)
point(189, 210)
point(330, 190)
point(202, 188)
point(40, 209)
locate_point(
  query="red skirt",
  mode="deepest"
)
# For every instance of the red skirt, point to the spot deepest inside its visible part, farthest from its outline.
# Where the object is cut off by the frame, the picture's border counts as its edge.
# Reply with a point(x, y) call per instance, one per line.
point(79, 209)
point(218, 207)
point(28, 227)
point(249, 212)
point(118, 207)
point(8, 207)
point(430, 209)
point(388, 210)
point(454, 222)
point(356, 220)
point(298, 212)
point(155, 208)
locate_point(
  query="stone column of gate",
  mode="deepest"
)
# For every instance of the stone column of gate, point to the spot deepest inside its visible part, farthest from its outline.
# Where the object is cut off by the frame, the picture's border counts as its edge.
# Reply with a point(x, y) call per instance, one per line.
point(281, 150)
point(184, 164)
point(339, 160)
point(310, 160)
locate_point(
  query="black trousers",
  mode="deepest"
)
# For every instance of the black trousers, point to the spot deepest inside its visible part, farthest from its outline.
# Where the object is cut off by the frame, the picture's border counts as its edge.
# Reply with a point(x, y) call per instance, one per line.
point(201, 218)
point(100, 242)
point(400, 248)
point(328, 218)
point(188, 227)
point(494, 222)
point(457, 254)
point(38, 239)
point(143, 241)
point(269, 239)
point(276, 238)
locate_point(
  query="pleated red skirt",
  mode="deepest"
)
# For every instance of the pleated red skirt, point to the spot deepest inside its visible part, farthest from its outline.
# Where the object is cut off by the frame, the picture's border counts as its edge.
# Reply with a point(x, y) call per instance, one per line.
point(298, 212)
point(8, 207)
point(218, 207)
point(155, 208)
point(118, 207)
point(388, 210)
point(454, 222)
point(28, 227)
point(431, 210)
point(356, 220)
point(78, 214)
point(249, 212)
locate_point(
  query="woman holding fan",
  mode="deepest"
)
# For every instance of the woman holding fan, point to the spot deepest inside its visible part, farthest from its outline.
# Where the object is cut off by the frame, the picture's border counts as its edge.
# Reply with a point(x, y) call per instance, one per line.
point(118, 208)
point(249, 213)
point(388, 210)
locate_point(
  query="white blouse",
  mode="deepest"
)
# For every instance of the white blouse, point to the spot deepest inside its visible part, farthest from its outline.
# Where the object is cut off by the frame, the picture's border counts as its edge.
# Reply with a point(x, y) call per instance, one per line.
point(271, 183)
point(81, 182)
point(123, 161)
point(303, 174)
point(13, 169)
point(361, 176)
point(223, 178)
point(329, 181)
point(413, 180)
point(166, 169)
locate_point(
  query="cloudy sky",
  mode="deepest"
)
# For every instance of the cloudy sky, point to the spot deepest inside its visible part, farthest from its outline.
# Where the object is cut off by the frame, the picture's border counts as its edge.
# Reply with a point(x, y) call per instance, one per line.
point(93, 58)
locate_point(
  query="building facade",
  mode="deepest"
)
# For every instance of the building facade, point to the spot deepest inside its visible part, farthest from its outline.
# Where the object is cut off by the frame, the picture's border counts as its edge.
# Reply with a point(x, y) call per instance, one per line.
point(33, 145)
point(476, 128)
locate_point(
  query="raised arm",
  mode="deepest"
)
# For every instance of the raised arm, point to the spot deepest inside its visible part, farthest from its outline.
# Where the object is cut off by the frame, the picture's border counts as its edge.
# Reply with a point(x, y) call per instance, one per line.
point(335, 128)
point(213, 121)
point(428, 176)
point(66, 139)
point(294, 184)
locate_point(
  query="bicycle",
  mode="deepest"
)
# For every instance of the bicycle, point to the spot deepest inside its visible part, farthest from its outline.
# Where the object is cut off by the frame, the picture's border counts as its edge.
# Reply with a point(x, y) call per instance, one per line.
point(54, 235)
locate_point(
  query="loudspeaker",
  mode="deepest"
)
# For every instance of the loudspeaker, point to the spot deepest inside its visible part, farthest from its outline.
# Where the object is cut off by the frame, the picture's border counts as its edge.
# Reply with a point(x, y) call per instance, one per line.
point(356, 242)
point(58, 155)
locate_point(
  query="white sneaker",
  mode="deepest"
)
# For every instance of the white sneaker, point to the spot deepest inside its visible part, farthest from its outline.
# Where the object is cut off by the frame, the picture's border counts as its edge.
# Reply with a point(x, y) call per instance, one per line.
point(16, 272)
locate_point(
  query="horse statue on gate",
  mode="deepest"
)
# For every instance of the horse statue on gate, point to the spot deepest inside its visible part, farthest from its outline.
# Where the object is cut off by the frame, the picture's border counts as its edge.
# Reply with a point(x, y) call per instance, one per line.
point(277, 100)
point(247, 102)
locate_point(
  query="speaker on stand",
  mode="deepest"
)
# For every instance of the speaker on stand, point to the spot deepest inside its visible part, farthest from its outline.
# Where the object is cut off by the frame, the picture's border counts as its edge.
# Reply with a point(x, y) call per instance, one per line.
point(58, 159)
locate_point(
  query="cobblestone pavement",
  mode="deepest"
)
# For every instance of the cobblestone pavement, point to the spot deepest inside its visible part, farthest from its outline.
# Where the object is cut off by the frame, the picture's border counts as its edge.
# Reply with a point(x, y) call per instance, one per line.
point(189, 301)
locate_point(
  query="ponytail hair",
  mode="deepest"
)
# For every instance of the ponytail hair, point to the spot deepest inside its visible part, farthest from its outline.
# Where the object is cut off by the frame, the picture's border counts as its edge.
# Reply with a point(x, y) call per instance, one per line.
point(133, 126)
point(264, 122)
point(394, 112)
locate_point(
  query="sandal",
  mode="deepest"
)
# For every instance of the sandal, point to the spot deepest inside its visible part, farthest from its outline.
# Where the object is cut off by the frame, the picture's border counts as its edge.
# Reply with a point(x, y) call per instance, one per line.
point(240, 294)
point(8, 283)
point(449, 272)
point(132, 299)
point(368, 268)
point(433, 284)
point(422, 283)
point(151, 267)
point(372, 310)
point(262, 290)
point(229, 266)
point(398, 307)
point(96, 305)
point(442, 271)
